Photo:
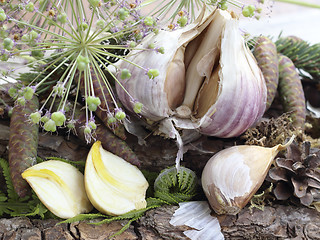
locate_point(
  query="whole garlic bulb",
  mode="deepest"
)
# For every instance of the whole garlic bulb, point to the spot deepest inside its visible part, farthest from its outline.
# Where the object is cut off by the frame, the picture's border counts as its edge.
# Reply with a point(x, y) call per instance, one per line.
point(60, 187)
point(208, 81)
point(232, 176)
point(113, 185)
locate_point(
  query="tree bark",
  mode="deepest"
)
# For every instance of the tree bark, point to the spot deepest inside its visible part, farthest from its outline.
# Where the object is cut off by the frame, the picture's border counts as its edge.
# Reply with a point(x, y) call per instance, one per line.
point(275, 222)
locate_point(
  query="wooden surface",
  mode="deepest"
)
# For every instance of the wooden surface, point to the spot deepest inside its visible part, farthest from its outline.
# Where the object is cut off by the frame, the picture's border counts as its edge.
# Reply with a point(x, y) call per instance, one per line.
point(274, 223)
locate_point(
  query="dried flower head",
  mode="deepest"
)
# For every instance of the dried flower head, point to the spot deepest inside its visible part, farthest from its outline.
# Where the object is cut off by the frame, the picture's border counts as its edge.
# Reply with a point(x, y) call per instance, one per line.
point(174, 10)
point(71, 45)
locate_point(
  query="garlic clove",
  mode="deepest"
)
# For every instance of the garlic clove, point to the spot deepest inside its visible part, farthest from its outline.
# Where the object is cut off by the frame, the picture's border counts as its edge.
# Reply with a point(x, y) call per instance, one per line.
point(113, 185)
point(60, 187)
point(234, 98)
point(204, 59)
point(174, 85)
point(232, 176)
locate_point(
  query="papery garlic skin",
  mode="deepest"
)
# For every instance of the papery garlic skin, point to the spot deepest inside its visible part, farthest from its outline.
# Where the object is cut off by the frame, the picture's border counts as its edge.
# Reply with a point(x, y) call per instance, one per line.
point(197, 216)
point(209, 80)
point(232, 176)
point(153, 93)
point(113, 185)
point(242, 95)
point(60, 187)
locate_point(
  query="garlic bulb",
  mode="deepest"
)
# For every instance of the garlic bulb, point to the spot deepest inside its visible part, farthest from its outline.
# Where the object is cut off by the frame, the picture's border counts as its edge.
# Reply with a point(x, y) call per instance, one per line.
point(208, 81)
point(113, 185)
point(232, 176)
point(60, 187)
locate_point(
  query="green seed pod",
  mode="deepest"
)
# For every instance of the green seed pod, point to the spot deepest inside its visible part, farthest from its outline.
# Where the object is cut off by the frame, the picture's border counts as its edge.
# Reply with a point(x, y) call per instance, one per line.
point(265, 52)
point(101, 91)
point(59, 118)
point(120, 115)
point(23, 144)
point(291, 91)
point(152, 73)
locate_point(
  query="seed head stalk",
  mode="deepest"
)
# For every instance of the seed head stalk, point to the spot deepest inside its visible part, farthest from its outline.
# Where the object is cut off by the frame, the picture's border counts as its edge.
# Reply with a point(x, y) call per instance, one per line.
point(170, 10)
point(65, 42)
point(300, 3)
point(73, 41)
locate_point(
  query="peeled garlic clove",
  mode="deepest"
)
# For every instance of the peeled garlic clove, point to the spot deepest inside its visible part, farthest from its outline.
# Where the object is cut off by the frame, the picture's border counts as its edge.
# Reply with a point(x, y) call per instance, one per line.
point(232, 176)
point(60, 187)
point(113, 185)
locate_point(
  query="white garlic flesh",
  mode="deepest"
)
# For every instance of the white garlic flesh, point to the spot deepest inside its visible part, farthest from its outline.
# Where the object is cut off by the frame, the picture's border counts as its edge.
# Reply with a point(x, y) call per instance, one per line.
point(113, 185)
point(232, 176)
point(60, 187)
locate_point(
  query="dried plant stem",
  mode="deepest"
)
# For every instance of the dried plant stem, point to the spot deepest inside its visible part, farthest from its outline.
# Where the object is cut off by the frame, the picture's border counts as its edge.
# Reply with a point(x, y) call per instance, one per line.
point(300, 3)
point(109, 141)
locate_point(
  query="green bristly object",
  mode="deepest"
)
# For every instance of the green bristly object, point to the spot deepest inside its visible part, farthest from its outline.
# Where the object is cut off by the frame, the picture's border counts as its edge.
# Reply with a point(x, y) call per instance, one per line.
point(170, 187)
point(305, 56)
point(12, 205)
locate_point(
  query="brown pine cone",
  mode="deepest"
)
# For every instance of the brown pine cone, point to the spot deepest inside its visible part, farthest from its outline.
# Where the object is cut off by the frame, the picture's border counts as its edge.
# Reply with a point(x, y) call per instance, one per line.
point(297, 176)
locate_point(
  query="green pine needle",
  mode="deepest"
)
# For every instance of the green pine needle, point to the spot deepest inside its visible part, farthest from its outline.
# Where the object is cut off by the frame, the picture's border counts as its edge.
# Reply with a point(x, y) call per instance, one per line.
point(12, 195)
point(13, 206)
point(83, 217)
point(305, 56)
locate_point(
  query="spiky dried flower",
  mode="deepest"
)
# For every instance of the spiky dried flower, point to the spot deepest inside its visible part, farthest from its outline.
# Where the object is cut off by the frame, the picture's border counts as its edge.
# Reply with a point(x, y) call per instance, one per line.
point(185, 10)
point(72, 44)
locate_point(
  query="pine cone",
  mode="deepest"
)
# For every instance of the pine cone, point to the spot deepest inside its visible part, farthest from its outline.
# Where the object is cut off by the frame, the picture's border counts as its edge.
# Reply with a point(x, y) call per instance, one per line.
point(297, 176)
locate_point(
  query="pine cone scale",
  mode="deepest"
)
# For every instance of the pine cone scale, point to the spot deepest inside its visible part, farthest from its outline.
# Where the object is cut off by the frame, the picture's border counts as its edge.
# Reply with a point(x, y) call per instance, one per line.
point(282, 191)
point(278, 174)
point(300, 187)
point(307, 199)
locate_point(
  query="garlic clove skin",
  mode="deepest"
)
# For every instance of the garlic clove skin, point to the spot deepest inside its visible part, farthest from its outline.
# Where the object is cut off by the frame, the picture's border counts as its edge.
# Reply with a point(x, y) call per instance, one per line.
point(113, 185)
point(232, 176)
point(60, 187)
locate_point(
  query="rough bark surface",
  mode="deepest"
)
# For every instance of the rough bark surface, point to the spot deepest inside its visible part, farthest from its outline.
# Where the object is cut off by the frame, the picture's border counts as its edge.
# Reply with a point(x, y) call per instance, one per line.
point(276, 222)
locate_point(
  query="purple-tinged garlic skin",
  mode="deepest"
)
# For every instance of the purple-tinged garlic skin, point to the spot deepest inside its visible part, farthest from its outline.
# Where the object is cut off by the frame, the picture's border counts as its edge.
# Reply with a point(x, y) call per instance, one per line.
point(231, 95)
point(152, 93)
point(242, 95)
